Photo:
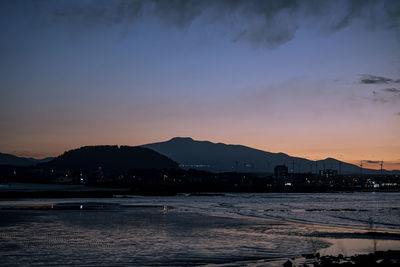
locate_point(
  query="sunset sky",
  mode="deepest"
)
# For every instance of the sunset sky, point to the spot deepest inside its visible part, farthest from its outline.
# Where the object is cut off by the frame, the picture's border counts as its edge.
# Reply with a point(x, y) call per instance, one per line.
point(313, 79)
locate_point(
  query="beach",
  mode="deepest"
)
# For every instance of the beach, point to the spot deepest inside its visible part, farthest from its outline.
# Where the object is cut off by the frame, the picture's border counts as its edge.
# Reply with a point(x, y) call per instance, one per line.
point(182, 230)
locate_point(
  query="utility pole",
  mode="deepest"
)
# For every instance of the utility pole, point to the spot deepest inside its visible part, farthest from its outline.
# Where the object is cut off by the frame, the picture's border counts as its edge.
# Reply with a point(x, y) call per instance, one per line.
point(361, 167)
point(293, 166)
point(362, 176)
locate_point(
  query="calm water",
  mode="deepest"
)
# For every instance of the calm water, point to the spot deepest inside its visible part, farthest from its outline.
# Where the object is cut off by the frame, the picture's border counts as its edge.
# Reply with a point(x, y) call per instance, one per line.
point(231, 229)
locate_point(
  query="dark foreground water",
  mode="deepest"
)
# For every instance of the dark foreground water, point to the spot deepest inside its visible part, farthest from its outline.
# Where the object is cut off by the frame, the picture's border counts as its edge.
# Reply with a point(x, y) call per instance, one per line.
point(229, 229)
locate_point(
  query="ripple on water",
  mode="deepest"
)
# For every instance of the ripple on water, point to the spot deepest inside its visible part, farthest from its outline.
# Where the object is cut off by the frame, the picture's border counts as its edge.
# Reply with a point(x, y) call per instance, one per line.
point(185, 230)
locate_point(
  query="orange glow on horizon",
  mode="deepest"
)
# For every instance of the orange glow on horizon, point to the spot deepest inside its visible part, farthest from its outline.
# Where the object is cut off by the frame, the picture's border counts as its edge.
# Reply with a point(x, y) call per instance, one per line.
point(371, 156)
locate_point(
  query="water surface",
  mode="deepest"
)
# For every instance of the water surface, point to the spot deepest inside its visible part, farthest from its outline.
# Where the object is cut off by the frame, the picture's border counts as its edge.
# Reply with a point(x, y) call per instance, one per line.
point(228, 229)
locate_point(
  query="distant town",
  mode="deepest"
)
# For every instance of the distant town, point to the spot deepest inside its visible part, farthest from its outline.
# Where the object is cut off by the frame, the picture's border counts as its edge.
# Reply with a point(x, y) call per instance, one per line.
point(183, 165)
point(172, 181)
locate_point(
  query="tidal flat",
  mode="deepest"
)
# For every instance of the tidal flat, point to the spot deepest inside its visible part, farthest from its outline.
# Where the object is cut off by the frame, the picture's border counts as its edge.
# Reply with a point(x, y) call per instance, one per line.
point(182, 230)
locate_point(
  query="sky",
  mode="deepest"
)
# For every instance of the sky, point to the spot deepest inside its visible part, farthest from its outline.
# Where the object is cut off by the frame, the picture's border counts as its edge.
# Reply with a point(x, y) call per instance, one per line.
point(309, 78)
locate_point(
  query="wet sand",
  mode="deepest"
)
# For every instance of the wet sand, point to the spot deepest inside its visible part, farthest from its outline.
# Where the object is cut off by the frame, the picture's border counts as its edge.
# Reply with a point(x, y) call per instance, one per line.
point(211, 230)
point(104, 234)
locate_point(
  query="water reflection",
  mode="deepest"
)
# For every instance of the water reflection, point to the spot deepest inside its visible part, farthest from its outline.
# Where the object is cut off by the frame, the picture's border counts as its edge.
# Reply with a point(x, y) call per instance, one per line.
point(231, 229)
point(138, 236)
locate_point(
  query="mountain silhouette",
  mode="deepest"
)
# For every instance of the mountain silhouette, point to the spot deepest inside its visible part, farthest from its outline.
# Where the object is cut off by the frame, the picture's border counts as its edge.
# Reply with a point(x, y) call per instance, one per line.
point(8, 159)
point(219, 157)
point(110, 158)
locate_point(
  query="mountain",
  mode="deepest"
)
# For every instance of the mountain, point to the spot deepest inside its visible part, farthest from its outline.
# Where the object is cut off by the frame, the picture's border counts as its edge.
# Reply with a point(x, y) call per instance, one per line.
point(7, 159)
point(219, 157)
point(110, 158)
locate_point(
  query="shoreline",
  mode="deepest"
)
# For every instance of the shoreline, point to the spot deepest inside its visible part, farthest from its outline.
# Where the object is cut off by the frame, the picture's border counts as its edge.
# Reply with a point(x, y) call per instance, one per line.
point(377, 258)
point(325, 240)
point(39, 190)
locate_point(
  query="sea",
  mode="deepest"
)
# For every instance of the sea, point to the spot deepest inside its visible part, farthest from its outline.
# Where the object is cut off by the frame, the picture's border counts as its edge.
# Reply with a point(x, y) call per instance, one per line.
point(227, 229)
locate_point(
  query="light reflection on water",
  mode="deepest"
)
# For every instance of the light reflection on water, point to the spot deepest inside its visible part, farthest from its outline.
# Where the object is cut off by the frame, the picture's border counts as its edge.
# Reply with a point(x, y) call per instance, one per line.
point(133, 236)
point(186, 230)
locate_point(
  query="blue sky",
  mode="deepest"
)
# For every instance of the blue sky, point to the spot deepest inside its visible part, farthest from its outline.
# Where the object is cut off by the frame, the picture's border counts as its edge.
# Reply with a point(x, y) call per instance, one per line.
point(274, 75)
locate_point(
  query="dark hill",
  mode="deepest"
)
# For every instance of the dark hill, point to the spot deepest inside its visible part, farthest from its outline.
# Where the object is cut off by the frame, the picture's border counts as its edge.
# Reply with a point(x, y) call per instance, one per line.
point(7, 159)
point(219, 157)
point(110, 158)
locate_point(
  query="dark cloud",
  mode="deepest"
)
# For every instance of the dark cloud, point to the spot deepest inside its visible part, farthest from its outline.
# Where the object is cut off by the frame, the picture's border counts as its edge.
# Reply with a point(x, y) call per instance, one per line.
point(269, 23)
point(391, 90)
point(372, 79)
point(386, 95)
point(373, 161)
